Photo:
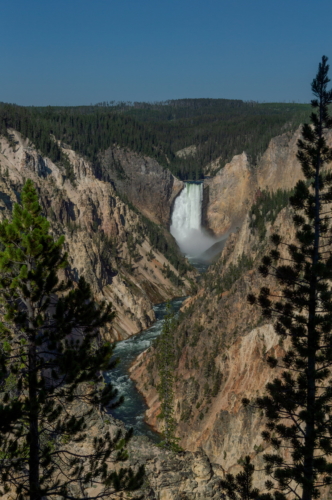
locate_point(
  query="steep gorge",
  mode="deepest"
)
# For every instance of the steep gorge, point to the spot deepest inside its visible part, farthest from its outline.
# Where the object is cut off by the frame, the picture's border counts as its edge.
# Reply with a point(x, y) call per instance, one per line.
point(222, 342)
point(108, 242)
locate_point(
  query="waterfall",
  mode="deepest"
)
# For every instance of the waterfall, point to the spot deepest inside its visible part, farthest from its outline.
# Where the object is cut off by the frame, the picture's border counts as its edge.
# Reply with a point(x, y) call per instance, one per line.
point(186, 221)
point(187, 212)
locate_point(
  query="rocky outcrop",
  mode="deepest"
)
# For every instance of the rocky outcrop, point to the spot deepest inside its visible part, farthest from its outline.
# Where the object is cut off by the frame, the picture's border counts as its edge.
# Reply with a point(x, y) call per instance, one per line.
point(213, 167)
point(146, 184)
point(279, 167)
point(168, 475)
point(176, 476)
point(106, 240)
point(188, 151)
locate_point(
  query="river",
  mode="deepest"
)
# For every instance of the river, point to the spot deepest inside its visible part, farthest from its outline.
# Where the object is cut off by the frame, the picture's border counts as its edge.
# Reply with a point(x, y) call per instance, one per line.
point(132, 411)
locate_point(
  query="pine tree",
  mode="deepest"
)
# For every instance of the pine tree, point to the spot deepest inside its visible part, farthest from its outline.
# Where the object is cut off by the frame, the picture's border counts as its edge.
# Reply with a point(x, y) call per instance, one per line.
point(298, 404)
point(51, 362)
point(166, 366)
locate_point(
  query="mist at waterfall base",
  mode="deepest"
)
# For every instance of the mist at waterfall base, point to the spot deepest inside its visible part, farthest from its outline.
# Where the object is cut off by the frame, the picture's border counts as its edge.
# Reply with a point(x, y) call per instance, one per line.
point(186, 226)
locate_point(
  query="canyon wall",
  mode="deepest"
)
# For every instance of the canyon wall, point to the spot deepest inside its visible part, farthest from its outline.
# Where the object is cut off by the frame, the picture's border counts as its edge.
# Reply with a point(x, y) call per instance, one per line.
point(108, 242)
point(146, 184)
point(228, 196)
point(230, 193)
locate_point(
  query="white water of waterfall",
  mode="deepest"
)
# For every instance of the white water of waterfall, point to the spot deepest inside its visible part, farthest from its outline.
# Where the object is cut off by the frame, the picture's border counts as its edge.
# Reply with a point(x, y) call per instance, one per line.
point(186, 224)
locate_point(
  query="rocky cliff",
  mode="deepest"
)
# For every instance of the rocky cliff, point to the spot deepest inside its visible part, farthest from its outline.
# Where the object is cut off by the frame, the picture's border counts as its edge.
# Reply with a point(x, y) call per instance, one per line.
point(230, 193)
point(146, 184)
point(108, 242)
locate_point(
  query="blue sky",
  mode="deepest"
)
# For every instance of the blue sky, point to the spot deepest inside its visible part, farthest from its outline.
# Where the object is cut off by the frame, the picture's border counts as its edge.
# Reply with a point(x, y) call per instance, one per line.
point(86, 51)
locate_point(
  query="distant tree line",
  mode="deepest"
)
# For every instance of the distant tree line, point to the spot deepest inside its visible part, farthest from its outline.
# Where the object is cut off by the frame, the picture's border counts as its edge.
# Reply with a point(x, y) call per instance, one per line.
point(88, 133)
point(219, 128)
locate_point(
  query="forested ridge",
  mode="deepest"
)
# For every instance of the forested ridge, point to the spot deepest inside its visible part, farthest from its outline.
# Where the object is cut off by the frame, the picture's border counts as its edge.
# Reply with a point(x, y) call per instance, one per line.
point(88, 132)
point(217, 127)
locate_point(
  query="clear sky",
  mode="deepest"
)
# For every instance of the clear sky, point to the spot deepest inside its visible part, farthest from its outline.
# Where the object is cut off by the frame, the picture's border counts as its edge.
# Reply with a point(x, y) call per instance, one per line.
point(70, 52)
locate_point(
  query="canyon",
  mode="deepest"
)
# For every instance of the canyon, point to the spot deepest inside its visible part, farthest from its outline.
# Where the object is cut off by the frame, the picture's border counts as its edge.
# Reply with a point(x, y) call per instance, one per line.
point(221, 341)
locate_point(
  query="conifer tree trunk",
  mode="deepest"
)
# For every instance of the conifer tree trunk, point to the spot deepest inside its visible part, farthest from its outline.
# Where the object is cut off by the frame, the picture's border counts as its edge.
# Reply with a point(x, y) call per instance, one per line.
point(309, 440)
point(33, 410)
point(311, 366)
point(33, 426)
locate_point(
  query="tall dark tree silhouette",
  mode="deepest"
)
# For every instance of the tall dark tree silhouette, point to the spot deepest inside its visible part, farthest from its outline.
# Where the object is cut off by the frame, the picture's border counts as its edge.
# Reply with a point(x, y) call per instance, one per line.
point(51, 359)
point(298, 404)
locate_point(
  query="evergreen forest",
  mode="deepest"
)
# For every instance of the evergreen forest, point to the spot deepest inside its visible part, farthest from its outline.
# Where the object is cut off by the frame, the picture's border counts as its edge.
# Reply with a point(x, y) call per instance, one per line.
point(218, 128)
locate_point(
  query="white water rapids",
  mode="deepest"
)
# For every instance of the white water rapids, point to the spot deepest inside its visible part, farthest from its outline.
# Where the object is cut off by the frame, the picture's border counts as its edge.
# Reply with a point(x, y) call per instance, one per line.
point(186, 226)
